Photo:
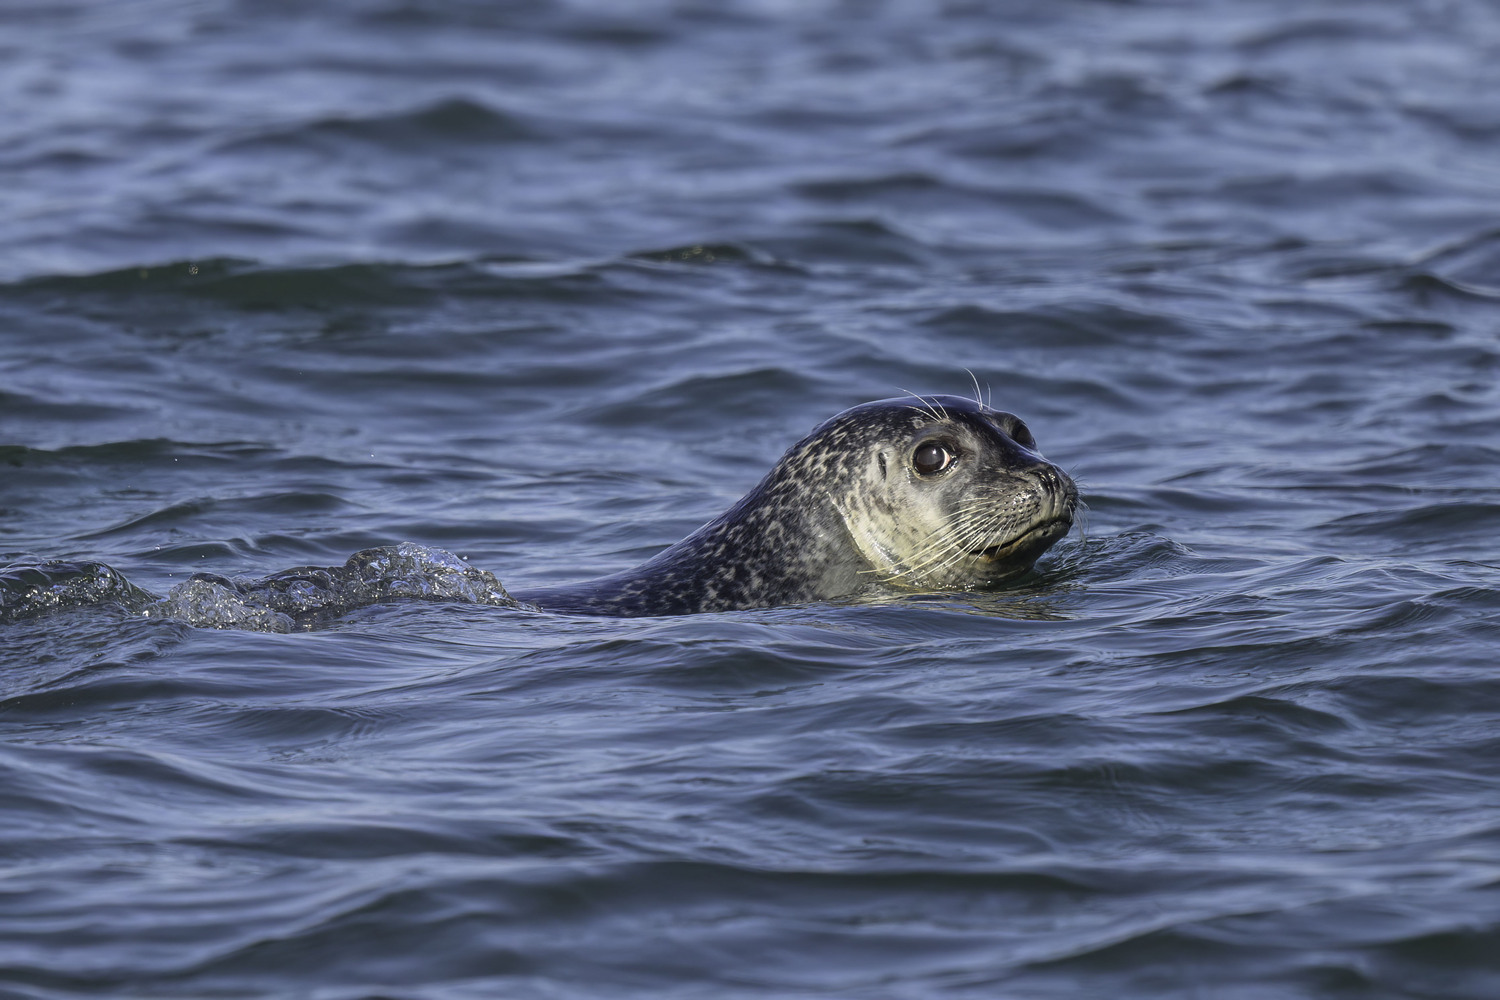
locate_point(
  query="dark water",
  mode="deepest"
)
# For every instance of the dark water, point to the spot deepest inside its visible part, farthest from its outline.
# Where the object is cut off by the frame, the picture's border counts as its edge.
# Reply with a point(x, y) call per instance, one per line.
point(549, 284)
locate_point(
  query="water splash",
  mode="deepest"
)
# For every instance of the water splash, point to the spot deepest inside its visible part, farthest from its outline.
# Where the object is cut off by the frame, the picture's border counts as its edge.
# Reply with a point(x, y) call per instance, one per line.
point(282, 602)
point(54, 586)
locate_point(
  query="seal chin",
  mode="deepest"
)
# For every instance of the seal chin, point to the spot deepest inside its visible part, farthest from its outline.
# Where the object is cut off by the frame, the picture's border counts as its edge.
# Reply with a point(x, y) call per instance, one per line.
point(1020, 552)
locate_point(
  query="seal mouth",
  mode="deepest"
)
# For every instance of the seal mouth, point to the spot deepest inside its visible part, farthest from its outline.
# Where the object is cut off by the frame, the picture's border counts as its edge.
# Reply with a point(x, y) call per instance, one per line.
point(1030, 543)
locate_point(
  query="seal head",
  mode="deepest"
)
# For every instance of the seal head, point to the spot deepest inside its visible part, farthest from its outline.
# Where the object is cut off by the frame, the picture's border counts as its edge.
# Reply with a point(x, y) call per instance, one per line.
point(929, 493)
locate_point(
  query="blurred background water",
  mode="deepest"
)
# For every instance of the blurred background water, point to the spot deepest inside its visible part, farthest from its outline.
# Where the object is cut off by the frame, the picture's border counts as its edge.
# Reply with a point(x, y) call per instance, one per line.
point(549, 283)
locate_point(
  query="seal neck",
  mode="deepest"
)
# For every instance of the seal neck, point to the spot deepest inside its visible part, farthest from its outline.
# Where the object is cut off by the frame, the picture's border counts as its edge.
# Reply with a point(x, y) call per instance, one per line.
point(770, 548)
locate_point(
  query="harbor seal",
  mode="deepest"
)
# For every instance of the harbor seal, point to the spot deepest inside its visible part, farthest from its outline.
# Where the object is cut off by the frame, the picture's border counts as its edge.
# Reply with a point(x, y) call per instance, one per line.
point(922, 493)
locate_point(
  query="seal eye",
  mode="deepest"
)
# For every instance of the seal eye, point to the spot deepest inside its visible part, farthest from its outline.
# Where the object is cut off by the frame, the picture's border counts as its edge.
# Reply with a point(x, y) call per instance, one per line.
point(1021, 435)
point(932, 457)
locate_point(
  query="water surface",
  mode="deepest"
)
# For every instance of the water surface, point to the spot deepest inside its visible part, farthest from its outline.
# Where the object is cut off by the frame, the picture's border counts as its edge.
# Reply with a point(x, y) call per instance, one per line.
point(550, 284)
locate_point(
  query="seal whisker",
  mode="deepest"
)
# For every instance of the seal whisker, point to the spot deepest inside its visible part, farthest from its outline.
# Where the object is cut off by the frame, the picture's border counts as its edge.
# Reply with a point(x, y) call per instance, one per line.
point(955, 551)
point(945, 551)
point(926, 408)
point(965, 547)
point(950, 535)
point(935, 547)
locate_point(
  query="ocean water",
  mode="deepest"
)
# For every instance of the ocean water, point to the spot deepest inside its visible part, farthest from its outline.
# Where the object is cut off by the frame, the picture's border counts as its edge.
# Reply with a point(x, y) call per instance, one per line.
point(548, 284)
